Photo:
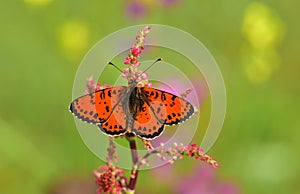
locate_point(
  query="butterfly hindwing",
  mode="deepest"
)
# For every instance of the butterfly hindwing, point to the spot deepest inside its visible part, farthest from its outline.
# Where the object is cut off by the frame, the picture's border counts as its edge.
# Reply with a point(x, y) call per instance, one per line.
point(116, 123)
point(98, 106)
point(146, 125)
point(169, 107)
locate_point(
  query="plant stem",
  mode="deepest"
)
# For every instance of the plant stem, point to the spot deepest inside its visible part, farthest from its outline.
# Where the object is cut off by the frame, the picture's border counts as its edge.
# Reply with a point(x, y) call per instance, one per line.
point(134, 172)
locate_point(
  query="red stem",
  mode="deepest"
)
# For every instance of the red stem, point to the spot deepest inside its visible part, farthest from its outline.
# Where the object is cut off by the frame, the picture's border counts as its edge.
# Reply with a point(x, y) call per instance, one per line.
point(134, 172)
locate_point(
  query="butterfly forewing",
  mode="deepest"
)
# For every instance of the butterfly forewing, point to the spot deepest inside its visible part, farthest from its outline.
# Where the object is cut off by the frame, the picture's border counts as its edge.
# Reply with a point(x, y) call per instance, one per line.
point(168, 107)
point(98, 106)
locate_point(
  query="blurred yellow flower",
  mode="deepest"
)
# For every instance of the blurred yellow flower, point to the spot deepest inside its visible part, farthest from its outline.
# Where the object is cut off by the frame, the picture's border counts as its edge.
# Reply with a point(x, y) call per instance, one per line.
point(263, 31)
point(38, 2)
point(150, 3)
point(259, 66)
point(259, 70)
point(262, 27)
point(73, 38)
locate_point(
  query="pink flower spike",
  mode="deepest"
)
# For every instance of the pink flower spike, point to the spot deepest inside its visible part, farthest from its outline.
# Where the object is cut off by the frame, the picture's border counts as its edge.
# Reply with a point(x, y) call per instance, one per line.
point(134, 75)
point(185, 93)
point(136, 51)
point(132, 58)
point(138, 79)
point(126, 73)
point(85, 92)
point(137, 64)
point(148, 145)
point(145, 76)
point(215, 164)
point(126, 70)
point(193, 151)
point(91, 86)
point(106, 86)
point(135, 45)
point(148, 84)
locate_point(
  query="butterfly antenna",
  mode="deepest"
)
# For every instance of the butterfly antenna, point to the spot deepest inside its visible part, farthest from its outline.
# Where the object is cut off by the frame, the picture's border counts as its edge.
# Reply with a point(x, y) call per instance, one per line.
point(110, 63)
point(157, 60)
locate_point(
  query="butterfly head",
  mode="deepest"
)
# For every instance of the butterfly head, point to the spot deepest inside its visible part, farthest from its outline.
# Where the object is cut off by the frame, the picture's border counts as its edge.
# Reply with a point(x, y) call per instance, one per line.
point(131, 81)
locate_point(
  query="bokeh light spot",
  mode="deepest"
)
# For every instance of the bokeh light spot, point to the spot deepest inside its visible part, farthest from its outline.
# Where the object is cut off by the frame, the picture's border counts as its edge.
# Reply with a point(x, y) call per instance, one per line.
point(73, 38)
point(263, 31)
point(38, 2)
point(262, 27)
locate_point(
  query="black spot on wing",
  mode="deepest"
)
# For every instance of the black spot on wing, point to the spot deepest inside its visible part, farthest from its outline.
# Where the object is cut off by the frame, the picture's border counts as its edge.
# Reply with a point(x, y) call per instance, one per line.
point(173, 97)
point(158, 110)
point(163, 97)
point(109, 93)
point(102, 94)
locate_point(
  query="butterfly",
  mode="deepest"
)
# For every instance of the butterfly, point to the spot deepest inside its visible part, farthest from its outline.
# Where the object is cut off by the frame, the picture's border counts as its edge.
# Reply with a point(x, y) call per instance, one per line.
point(143, 111)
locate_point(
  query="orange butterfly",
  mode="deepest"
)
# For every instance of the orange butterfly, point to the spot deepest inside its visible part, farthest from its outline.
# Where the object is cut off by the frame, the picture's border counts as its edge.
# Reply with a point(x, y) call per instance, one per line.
point(143, 111)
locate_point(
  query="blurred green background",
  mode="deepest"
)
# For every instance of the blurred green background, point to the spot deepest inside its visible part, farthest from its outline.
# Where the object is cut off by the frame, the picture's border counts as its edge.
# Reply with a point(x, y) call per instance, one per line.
point(254, 42)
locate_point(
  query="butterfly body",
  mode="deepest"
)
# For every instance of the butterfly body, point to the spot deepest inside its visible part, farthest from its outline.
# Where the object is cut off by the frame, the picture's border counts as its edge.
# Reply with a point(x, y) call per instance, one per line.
point(143, 111)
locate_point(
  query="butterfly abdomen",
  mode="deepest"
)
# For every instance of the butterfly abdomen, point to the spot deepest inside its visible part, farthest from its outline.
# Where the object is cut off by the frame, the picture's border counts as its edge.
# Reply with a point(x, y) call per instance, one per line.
point(136, 101)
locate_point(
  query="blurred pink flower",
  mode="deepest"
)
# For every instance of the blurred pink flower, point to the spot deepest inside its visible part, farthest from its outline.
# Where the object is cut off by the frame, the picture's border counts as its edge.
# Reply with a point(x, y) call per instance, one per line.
point(198, 87)
point(136, 9)
point(204, 180)
point(168, 3)
point(139, 9)
point(164, 174)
